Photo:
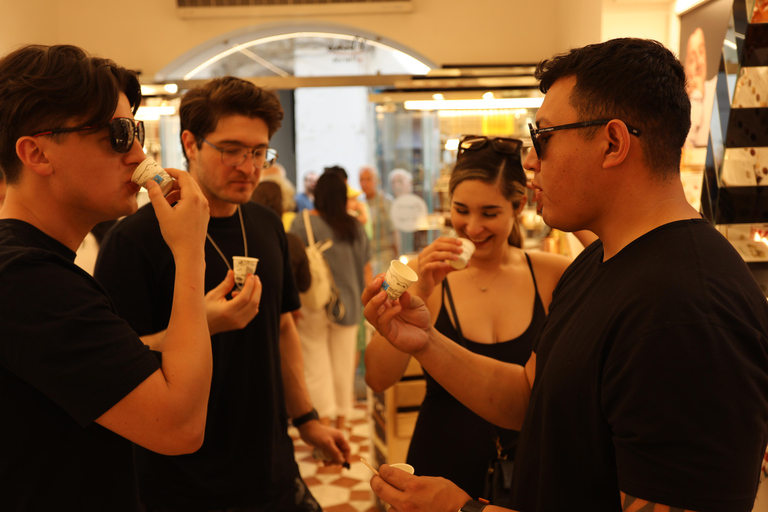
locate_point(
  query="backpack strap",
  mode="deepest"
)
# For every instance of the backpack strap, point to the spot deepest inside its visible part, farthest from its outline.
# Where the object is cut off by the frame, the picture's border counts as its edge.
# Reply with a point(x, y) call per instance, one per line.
point(308, 227)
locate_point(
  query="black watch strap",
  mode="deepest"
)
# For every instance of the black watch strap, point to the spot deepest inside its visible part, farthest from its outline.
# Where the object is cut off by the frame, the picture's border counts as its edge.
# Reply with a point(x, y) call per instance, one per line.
point(311, 415)
point(474, 506)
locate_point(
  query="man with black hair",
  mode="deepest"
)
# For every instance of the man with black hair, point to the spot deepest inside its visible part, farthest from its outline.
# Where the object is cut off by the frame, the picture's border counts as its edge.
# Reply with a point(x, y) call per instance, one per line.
point(77, 384)
point(647, 388)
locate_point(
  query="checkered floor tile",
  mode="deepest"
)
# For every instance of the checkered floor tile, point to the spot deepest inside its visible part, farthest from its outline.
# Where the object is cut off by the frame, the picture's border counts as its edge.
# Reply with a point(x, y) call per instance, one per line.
point(335, 488)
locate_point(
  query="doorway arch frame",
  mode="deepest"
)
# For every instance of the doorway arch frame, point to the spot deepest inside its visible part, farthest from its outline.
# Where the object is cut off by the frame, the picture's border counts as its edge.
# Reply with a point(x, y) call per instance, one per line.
point(209, 52)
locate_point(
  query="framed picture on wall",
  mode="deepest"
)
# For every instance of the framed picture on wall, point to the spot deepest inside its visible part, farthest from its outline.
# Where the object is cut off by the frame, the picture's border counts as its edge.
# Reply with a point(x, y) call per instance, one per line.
point(702, 32)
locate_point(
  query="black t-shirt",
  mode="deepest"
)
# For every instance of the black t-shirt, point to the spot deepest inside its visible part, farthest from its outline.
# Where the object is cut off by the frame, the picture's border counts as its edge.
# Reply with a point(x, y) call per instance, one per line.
point(65, 359)
point(247, 456)
point(651, 379)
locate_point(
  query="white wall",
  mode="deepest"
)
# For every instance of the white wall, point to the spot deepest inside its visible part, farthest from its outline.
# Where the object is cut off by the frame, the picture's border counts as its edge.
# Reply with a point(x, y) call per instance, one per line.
point(650, 20)
point(148, 34)
point(26, 22)
point(332, 128)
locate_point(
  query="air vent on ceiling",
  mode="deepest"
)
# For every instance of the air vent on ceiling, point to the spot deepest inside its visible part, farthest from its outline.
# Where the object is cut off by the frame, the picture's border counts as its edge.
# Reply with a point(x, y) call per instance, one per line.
point(230, 8)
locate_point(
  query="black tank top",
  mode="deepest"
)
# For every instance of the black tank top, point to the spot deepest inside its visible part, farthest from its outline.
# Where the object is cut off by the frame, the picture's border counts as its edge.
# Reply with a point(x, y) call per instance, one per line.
point(450, 440)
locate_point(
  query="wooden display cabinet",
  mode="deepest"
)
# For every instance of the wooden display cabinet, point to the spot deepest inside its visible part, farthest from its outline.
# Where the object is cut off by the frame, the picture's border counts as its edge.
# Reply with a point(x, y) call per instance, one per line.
point(393, 417)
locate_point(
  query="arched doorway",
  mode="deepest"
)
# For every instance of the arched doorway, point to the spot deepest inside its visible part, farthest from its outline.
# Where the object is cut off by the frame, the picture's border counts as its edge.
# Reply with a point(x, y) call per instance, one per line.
point(323, 73)
point(273, 50)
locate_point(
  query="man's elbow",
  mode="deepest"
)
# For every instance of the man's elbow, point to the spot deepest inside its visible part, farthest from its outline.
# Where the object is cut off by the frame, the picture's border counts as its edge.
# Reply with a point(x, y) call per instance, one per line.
point(376, 385)
point(183, 440)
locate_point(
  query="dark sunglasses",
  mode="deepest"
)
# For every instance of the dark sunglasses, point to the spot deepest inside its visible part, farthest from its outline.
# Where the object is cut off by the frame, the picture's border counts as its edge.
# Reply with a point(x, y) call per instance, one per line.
point(536, 132)
point(122, 132)
point(499, 144)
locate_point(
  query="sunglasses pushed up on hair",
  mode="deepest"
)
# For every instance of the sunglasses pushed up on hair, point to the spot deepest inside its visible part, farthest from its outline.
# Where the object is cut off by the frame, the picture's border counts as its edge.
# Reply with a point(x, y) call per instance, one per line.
point(499, 144)
point(122, 132)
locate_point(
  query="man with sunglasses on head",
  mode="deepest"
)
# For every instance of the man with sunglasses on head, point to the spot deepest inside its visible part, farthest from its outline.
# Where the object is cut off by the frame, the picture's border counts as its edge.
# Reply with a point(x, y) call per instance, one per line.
point(647, 388)
point(77, 384)
point(247, 462)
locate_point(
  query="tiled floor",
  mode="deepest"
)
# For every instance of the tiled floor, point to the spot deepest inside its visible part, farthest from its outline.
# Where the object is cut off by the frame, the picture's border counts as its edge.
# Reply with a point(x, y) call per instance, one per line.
point(335, 488)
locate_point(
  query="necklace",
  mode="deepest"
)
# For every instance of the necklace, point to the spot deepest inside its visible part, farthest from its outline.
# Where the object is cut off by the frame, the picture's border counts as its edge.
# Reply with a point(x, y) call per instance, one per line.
point(245, 243)
point(484, 288)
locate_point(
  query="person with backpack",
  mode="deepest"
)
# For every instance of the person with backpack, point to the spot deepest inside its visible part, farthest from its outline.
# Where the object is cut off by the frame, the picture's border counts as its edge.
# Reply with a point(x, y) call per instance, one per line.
point(329, 333)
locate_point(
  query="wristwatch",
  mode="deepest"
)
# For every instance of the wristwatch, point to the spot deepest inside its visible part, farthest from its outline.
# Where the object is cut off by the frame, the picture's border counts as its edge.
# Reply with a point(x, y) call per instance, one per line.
point(474, 505)
point(304, 418)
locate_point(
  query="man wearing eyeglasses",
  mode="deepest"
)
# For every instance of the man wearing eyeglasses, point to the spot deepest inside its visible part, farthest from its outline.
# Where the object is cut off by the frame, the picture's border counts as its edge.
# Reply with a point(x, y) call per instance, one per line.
point(77, 384)
point(647, 388)
point(247, 461)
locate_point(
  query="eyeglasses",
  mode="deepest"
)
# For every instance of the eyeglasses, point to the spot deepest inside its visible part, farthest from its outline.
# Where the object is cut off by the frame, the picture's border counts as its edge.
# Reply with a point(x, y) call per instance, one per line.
point(499, 144)
point(122, 132)
point(263, 158)
point(536, 132)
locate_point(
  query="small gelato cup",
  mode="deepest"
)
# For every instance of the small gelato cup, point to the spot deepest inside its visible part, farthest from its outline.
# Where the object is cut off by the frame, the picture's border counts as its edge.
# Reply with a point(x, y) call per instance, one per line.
point(399, 277)
point(467, 250)
point(404, 467)
point(243, 266)
point(151, 170)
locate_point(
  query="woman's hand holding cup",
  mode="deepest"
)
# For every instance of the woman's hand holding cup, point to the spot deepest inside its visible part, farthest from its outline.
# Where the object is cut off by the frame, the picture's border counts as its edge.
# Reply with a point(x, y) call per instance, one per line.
point(435, 264)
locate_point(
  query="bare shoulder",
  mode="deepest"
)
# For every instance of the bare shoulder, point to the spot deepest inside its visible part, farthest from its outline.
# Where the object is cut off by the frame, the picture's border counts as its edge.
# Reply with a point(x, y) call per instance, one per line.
point(547, 268)
point(547, 264)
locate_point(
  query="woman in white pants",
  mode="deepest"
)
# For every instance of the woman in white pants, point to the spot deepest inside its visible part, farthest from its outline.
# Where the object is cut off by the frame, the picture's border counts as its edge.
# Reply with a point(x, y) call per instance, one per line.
point(329, 345)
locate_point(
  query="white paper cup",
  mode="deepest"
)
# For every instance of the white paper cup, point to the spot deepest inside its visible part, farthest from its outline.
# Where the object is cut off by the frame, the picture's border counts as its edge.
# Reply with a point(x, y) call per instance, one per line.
point(243, 266)
point(404, 467)
point(467, 250)
point(399, 277)
point(151, 170)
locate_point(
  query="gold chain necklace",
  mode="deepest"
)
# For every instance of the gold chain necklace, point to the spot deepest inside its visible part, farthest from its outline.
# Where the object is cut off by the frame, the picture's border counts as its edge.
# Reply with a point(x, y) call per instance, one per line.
point(493, 278)
point(245, 243)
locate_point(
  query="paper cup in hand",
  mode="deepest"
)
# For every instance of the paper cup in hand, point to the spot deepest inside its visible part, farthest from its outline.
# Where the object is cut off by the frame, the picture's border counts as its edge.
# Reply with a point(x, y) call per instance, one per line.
point(399, 277)
point(242, 267)
point(404, 467)
point(151, 170)
point(467, 250)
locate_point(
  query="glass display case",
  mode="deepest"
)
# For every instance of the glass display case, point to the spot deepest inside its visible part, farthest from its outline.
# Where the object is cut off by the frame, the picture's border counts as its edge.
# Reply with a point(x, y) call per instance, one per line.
point(734, 195)
point(424, 142)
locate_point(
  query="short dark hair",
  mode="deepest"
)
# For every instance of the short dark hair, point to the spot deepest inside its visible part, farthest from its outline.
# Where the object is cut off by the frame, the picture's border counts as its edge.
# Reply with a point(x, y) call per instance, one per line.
point(45, 87)
point(202, 107)
point(636, 80)
point(504, 170)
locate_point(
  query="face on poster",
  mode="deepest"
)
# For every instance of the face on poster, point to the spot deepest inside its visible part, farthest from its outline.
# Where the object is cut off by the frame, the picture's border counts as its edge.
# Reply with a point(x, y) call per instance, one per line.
point(702, 32)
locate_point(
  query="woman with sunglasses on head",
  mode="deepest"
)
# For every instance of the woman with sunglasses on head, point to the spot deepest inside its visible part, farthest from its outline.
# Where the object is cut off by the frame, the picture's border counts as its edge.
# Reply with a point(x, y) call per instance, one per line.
point(493, 307)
